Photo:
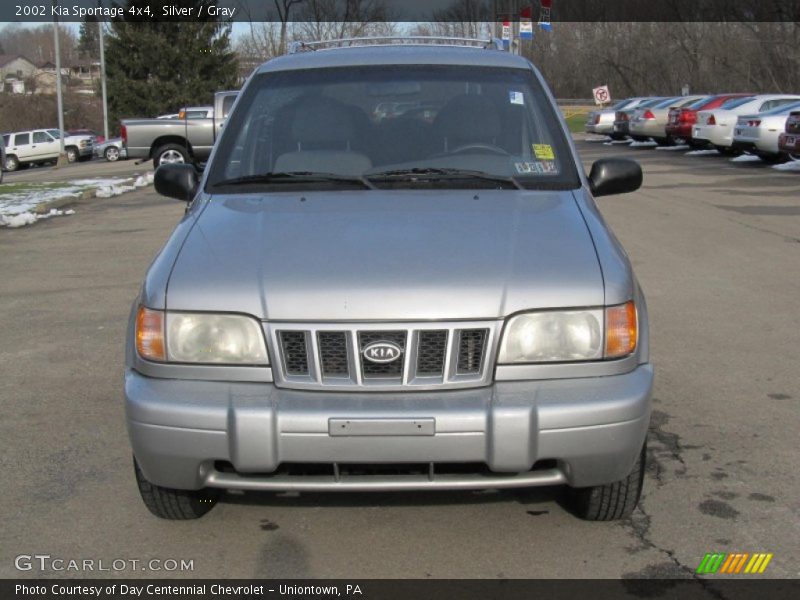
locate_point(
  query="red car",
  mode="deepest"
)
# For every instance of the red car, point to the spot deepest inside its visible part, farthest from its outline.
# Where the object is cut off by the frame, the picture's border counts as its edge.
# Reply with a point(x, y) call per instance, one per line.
point(789, 142)
point(681, 120)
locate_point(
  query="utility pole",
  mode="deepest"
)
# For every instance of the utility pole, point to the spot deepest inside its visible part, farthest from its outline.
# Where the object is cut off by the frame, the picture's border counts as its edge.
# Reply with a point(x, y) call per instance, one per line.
point(103, 75)
point(59, 100)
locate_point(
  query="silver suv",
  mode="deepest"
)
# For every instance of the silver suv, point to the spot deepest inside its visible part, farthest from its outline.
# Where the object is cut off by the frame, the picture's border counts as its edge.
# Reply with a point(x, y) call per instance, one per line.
point(424, 301)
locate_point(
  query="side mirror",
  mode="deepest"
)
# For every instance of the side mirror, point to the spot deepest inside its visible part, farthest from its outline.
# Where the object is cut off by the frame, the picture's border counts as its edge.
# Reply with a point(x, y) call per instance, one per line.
point(177, 181)
point(615, 176)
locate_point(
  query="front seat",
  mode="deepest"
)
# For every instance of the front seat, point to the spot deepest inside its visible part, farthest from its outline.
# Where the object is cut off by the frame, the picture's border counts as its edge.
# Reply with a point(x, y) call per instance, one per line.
point(324, 133)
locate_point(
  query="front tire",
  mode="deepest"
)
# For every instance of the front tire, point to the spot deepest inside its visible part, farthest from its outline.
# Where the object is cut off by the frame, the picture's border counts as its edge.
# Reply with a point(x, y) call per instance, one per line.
point(12, 163)
point(612, 501)
point(167, 503)
point(111, 154)
point(169, 154)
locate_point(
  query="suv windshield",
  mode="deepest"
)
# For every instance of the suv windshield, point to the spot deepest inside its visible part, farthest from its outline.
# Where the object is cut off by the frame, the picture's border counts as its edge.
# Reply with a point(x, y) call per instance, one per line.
point(394, 126)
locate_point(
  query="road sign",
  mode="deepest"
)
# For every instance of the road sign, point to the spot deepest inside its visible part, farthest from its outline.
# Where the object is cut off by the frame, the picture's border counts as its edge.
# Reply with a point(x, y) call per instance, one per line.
point(525, 29)
point(601, 95)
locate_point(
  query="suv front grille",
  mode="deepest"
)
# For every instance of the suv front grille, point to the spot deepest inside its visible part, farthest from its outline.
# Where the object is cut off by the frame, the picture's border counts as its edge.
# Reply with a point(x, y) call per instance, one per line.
point(430, 355)
point(333, 353)
point(393, 369)
point(470, 350)
point(295, 352)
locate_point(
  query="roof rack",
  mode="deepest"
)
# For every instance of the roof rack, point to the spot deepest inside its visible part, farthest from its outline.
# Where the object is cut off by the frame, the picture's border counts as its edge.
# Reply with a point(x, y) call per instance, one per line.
point(414, 40)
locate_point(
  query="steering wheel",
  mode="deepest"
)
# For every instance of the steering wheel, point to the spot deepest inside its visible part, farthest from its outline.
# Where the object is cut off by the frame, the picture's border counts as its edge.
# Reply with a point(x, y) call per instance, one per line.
point(479, 146)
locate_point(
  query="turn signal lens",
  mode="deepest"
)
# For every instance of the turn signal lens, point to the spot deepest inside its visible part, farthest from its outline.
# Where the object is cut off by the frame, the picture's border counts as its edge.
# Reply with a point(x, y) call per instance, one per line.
point(150, 334)
point(621, 330)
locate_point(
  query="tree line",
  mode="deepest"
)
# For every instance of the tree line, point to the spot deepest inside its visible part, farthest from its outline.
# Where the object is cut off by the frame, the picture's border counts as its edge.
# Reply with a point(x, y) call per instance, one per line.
point(158, 67)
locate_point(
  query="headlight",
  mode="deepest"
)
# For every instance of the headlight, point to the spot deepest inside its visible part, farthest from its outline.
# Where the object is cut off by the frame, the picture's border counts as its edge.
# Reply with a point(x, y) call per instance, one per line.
point(574, 335)
point(199, 338)
point(553, 337)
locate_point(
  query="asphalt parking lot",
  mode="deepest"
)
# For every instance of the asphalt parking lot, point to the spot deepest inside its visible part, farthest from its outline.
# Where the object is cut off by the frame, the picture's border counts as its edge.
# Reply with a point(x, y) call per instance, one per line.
point(716, 246)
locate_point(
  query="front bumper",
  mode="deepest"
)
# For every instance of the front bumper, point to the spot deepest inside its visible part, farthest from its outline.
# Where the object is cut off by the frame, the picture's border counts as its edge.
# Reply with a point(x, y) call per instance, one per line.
point(590, 430)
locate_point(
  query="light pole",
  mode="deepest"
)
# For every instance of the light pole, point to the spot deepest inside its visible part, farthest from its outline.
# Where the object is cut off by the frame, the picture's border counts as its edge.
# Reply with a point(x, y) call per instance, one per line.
point(59, 99)
point(103, 76)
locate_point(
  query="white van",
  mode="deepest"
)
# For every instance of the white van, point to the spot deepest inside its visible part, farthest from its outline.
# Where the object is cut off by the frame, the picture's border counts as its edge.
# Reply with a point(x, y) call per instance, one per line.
point(42, 145)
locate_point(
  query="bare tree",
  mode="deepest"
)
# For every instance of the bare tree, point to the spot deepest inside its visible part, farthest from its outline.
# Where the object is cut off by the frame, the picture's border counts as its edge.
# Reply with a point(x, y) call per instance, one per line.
point(337, 19)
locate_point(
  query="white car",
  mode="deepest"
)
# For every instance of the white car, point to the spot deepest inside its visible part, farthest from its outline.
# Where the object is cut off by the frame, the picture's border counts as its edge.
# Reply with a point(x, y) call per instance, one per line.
point(42, 145)
point(601, 121)
point(716, 126)
point(758, 133)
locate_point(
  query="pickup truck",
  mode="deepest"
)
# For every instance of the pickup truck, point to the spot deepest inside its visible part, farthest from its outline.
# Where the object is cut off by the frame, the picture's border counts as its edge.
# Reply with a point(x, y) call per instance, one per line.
point(176, 141)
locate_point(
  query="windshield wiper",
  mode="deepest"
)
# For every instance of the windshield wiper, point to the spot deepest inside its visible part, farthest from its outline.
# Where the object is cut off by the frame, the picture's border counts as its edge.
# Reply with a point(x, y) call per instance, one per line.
point(296, 177)
point(441, 173)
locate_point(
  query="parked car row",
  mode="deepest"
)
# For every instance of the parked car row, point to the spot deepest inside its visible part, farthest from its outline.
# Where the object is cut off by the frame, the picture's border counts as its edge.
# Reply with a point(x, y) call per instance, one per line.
point(765, 125)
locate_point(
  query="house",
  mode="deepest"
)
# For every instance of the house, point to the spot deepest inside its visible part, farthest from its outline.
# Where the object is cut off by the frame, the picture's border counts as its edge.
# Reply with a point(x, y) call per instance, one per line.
point(45, 78)
point(83, 73)
point(14, 70)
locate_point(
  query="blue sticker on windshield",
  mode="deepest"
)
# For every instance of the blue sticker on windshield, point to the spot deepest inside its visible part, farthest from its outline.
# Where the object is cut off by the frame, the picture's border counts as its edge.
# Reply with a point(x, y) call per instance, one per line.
point(515, 98)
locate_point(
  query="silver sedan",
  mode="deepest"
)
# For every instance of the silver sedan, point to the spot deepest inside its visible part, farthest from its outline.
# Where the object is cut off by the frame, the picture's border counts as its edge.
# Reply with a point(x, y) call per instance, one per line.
point(112, 150)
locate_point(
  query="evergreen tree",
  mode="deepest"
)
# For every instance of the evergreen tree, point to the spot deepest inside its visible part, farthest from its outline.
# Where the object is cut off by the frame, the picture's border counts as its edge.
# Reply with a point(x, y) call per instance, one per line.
point(89, 40)
point(154, 67)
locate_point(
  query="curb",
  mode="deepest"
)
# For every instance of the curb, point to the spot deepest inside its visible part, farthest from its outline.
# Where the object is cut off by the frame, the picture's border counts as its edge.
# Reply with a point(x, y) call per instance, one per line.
point(61, 202)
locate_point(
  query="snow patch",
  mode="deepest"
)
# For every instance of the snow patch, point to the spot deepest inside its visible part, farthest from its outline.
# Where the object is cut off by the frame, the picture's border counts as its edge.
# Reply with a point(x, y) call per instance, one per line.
point(21, 208)
point(114, 190)
point(99, 182)
point(29, 218)
point(674, 148)
point(793, 165)
point(617, 142)
point(16, 203)
point(592, 139)
point(703, 153)
point(746, 158)
point(647, 144)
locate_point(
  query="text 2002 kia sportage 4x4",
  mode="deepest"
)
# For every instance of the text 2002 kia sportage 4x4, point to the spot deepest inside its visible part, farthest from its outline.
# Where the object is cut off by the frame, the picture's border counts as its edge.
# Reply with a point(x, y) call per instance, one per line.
point(424, 298)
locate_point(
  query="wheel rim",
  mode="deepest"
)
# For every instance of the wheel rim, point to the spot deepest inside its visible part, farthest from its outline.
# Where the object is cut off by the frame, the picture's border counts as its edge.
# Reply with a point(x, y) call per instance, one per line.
point(71, 156)
point(170, 157)
point(112, 154)
point(11, 164)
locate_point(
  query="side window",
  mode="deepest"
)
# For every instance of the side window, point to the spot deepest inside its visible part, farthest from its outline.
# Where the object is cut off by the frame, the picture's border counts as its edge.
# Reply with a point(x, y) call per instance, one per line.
point(40, 137)
point(22, 139)
point(784, 101)
point(768, 105)
point(6, 139)
point(227, 103)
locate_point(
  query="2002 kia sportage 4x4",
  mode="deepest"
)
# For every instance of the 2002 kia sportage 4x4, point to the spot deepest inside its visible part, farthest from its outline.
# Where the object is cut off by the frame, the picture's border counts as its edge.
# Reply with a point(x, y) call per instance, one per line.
point(410, 299)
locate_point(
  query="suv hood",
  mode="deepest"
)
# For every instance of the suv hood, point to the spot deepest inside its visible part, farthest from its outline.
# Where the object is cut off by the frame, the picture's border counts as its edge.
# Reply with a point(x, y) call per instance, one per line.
point(393, 255)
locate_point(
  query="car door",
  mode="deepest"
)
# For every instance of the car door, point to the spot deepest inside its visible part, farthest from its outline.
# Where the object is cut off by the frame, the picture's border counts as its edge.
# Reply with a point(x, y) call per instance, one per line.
point(21, 147)
point(44, 146)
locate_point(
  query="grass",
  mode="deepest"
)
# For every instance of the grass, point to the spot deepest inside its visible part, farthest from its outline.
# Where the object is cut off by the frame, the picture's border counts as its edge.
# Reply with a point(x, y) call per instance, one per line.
point(576, 120)
point(17, 188)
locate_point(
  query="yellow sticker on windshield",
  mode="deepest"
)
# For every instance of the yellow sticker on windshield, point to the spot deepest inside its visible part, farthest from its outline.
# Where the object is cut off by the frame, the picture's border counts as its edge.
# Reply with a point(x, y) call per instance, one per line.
point(543, 151)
